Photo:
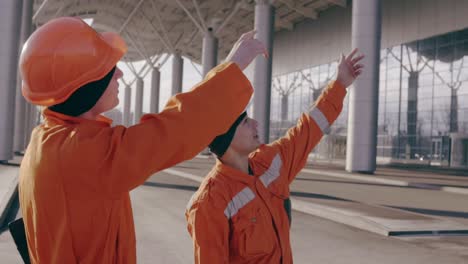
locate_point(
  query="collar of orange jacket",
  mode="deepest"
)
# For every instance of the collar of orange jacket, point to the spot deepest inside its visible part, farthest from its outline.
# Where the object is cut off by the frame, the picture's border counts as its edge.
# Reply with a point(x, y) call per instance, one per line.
point(61, 118)
point(233, 173)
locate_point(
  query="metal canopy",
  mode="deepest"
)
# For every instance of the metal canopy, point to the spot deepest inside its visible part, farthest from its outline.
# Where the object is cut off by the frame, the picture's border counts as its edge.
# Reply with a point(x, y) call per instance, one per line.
point(155, 27)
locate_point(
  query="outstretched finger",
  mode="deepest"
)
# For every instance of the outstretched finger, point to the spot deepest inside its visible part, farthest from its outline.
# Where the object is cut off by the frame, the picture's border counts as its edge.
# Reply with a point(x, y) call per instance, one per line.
point(248, 35)
point(358, 66)
point(351, 55)
point(342, 58)
point(265, 52)
point(357, 59)
point(260, 48)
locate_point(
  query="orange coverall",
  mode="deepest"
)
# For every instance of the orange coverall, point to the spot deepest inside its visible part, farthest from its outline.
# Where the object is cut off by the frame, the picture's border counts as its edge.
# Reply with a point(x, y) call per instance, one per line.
point(76, 174)
point(238, 218)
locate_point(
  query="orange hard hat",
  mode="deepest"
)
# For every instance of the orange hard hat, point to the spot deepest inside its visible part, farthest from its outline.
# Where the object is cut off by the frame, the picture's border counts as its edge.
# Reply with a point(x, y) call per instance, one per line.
point(63, 55)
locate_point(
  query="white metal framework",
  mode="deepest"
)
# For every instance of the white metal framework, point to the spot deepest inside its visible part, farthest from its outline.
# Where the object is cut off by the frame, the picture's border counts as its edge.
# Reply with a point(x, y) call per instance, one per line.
point(154, 27)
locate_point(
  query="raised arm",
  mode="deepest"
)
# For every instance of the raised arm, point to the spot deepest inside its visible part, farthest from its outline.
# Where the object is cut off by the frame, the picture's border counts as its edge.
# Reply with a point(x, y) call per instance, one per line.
point(184, 128)
point(299, 141)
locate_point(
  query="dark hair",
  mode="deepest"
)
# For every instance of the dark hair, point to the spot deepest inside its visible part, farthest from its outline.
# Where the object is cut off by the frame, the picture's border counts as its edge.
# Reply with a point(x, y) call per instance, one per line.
point(221, 143)
point(83, 99)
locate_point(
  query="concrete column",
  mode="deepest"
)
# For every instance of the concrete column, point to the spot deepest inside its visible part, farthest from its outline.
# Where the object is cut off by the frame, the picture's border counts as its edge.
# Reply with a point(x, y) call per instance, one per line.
point(19, 135)
point(30, 122)
point(27, 123)
point(209, 52)
point(264, 25)
point(33, 115)
point(19, 143)
point(454, 110)
point(177, 73)
point(10, 30)
point(363, 108)
point(154, 97)
point(126, 106)
point(412, 115)
point(284, 107)
point(459, 150)
point(138, 100)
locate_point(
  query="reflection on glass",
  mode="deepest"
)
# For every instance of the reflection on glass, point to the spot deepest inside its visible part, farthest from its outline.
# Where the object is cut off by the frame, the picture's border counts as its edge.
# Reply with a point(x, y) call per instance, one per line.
point(423, 99)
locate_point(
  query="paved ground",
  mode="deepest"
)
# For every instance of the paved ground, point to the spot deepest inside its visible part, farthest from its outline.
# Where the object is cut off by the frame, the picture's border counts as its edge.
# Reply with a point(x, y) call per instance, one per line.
point(8, 186)
point(162, 237)
point(317, 187)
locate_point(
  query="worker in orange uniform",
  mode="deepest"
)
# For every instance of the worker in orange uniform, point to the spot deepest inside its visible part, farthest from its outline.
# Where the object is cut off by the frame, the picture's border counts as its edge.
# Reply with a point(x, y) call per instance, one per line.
point(238, 214)
point(77, 171)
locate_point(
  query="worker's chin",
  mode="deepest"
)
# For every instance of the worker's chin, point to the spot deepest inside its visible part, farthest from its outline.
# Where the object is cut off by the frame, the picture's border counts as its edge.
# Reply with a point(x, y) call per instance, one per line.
point(257, 141)
point(109, 107)
point(114, 104)
point(256, 145)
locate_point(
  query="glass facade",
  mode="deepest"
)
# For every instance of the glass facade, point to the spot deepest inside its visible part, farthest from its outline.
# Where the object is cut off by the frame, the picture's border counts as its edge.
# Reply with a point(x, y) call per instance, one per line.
point(423, 100)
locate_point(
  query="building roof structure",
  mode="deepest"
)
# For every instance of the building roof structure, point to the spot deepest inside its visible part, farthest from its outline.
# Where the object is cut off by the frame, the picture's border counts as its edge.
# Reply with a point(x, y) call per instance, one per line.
point(153, 28)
